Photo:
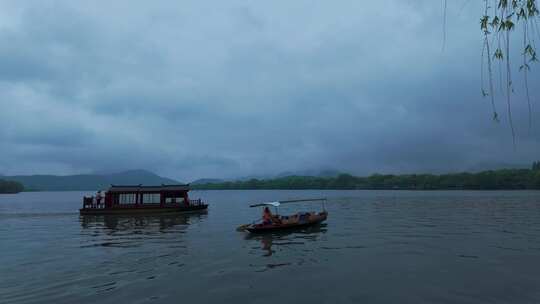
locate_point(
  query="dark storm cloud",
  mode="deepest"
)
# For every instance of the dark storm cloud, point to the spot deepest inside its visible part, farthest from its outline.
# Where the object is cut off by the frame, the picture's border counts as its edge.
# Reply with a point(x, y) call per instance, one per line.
point(221, 90)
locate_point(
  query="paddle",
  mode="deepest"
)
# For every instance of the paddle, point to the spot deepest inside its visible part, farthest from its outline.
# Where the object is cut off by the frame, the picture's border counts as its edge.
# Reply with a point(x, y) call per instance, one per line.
point(242, 227)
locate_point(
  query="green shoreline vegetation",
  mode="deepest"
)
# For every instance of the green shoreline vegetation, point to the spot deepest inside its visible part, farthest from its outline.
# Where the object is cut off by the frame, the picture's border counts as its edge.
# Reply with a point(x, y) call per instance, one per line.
point(10, 187)
point(504, 179)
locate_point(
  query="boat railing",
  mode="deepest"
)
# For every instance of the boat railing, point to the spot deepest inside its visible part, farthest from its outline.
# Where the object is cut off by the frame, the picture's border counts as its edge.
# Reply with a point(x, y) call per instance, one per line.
point(90, 202)
point(196, 202)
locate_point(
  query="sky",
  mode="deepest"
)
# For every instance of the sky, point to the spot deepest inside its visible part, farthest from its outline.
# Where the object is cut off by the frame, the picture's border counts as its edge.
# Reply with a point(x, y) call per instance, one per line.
point(224, 89)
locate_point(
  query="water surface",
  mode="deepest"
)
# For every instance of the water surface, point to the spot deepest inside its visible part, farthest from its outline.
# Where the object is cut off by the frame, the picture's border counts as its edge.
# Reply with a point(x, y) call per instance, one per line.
point(376, 247)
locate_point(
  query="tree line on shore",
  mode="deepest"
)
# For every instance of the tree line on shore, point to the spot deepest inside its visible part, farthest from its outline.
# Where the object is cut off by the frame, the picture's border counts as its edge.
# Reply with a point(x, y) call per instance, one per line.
point(505, 179)
point(10, 186)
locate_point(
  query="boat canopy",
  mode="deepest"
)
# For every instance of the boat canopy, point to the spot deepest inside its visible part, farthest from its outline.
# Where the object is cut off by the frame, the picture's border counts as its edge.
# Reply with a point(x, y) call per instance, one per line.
point(277, 203)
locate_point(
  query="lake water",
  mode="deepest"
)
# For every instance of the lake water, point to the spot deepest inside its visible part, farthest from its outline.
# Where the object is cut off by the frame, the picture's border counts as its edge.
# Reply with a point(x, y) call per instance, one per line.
point(376, 247)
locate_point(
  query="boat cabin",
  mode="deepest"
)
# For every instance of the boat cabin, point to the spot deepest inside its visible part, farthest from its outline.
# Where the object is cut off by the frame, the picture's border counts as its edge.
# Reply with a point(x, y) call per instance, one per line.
point(169, 197)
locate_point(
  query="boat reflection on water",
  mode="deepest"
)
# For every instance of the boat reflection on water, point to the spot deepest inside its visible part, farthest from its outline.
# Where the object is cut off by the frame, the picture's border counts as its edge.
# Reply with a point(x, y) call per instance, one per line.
point(127, 222)
point(134, 230)
point(295, 239)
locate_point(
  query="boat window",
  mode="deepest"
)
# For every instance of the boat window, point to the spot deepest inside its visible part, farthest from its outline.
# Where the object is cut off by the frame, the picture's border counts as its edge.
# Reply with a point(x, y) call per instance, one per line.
point(151, 198)
point(126, 199)
point(174, 200)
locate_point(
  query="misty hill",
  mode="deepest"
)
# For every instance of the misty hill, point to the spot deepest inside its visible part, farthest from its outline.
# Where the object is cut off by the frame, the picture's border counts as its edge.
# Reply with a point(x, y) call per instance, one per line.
point(312, 173)
point(308, 172)
point(206, 181)
point(83, 182)
point(7, 186)
point(486, 166)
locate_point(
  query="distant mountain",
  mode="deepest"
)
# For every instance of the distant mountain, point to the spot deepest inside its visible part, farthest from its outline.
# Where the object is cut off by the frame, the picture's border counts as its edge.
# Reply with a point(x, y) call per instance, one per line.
point(486, 166)
point(314, 173)
point(207, 181)
point(308, 172)
point(249, 177)
point(88, 181)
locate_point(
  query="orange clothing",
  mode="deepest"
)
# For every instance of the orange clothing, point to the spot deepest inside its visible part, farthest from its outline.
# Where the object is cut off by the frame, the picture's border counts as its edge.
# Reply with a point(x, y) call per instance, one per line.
point(267, 215)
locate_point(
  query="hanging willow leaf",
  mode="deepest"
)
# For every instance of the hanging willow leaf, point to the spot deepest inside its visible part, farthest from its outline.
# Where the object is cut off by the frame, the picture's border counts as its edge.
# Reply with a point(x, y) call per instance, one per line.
point(499, 19)
point(498, 54)
point(509, 24)
point(484, 23)
point(495, 117)
point(495, 22)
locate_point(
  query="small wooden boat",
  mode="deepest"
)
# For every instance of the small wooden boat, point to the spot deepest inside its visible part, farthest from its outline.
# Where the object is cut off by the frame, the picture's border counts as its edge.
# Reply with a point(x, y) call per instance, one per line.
point(298, 220)
point(279, 223)
point(164, 199)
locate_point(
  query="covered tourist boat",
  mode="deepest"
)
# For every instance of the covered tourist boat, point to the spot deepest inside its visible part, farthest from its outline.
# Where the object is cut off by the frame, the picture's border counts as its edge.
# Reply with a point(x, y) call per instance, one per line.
point(141, 199)
point(275, 222)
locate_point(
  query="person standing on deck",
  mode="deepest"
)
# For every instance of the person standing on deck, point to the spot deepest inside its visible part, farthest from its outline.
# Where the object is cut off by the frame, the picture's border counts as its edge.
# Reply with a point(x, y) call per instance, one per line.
point(98, 198)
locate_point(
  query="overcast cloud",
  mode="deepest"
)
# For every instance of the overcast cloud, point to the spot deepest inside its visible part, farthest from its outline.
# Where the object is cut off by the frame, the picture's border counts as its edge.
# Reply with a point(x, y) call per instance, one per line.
point(192, 89)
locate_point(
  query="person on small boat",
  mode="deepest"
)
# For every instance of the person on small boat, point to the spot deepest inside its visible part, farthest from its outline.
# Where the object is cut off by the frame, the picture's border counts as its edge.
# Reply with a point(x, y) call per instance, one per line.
point(268, 218)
